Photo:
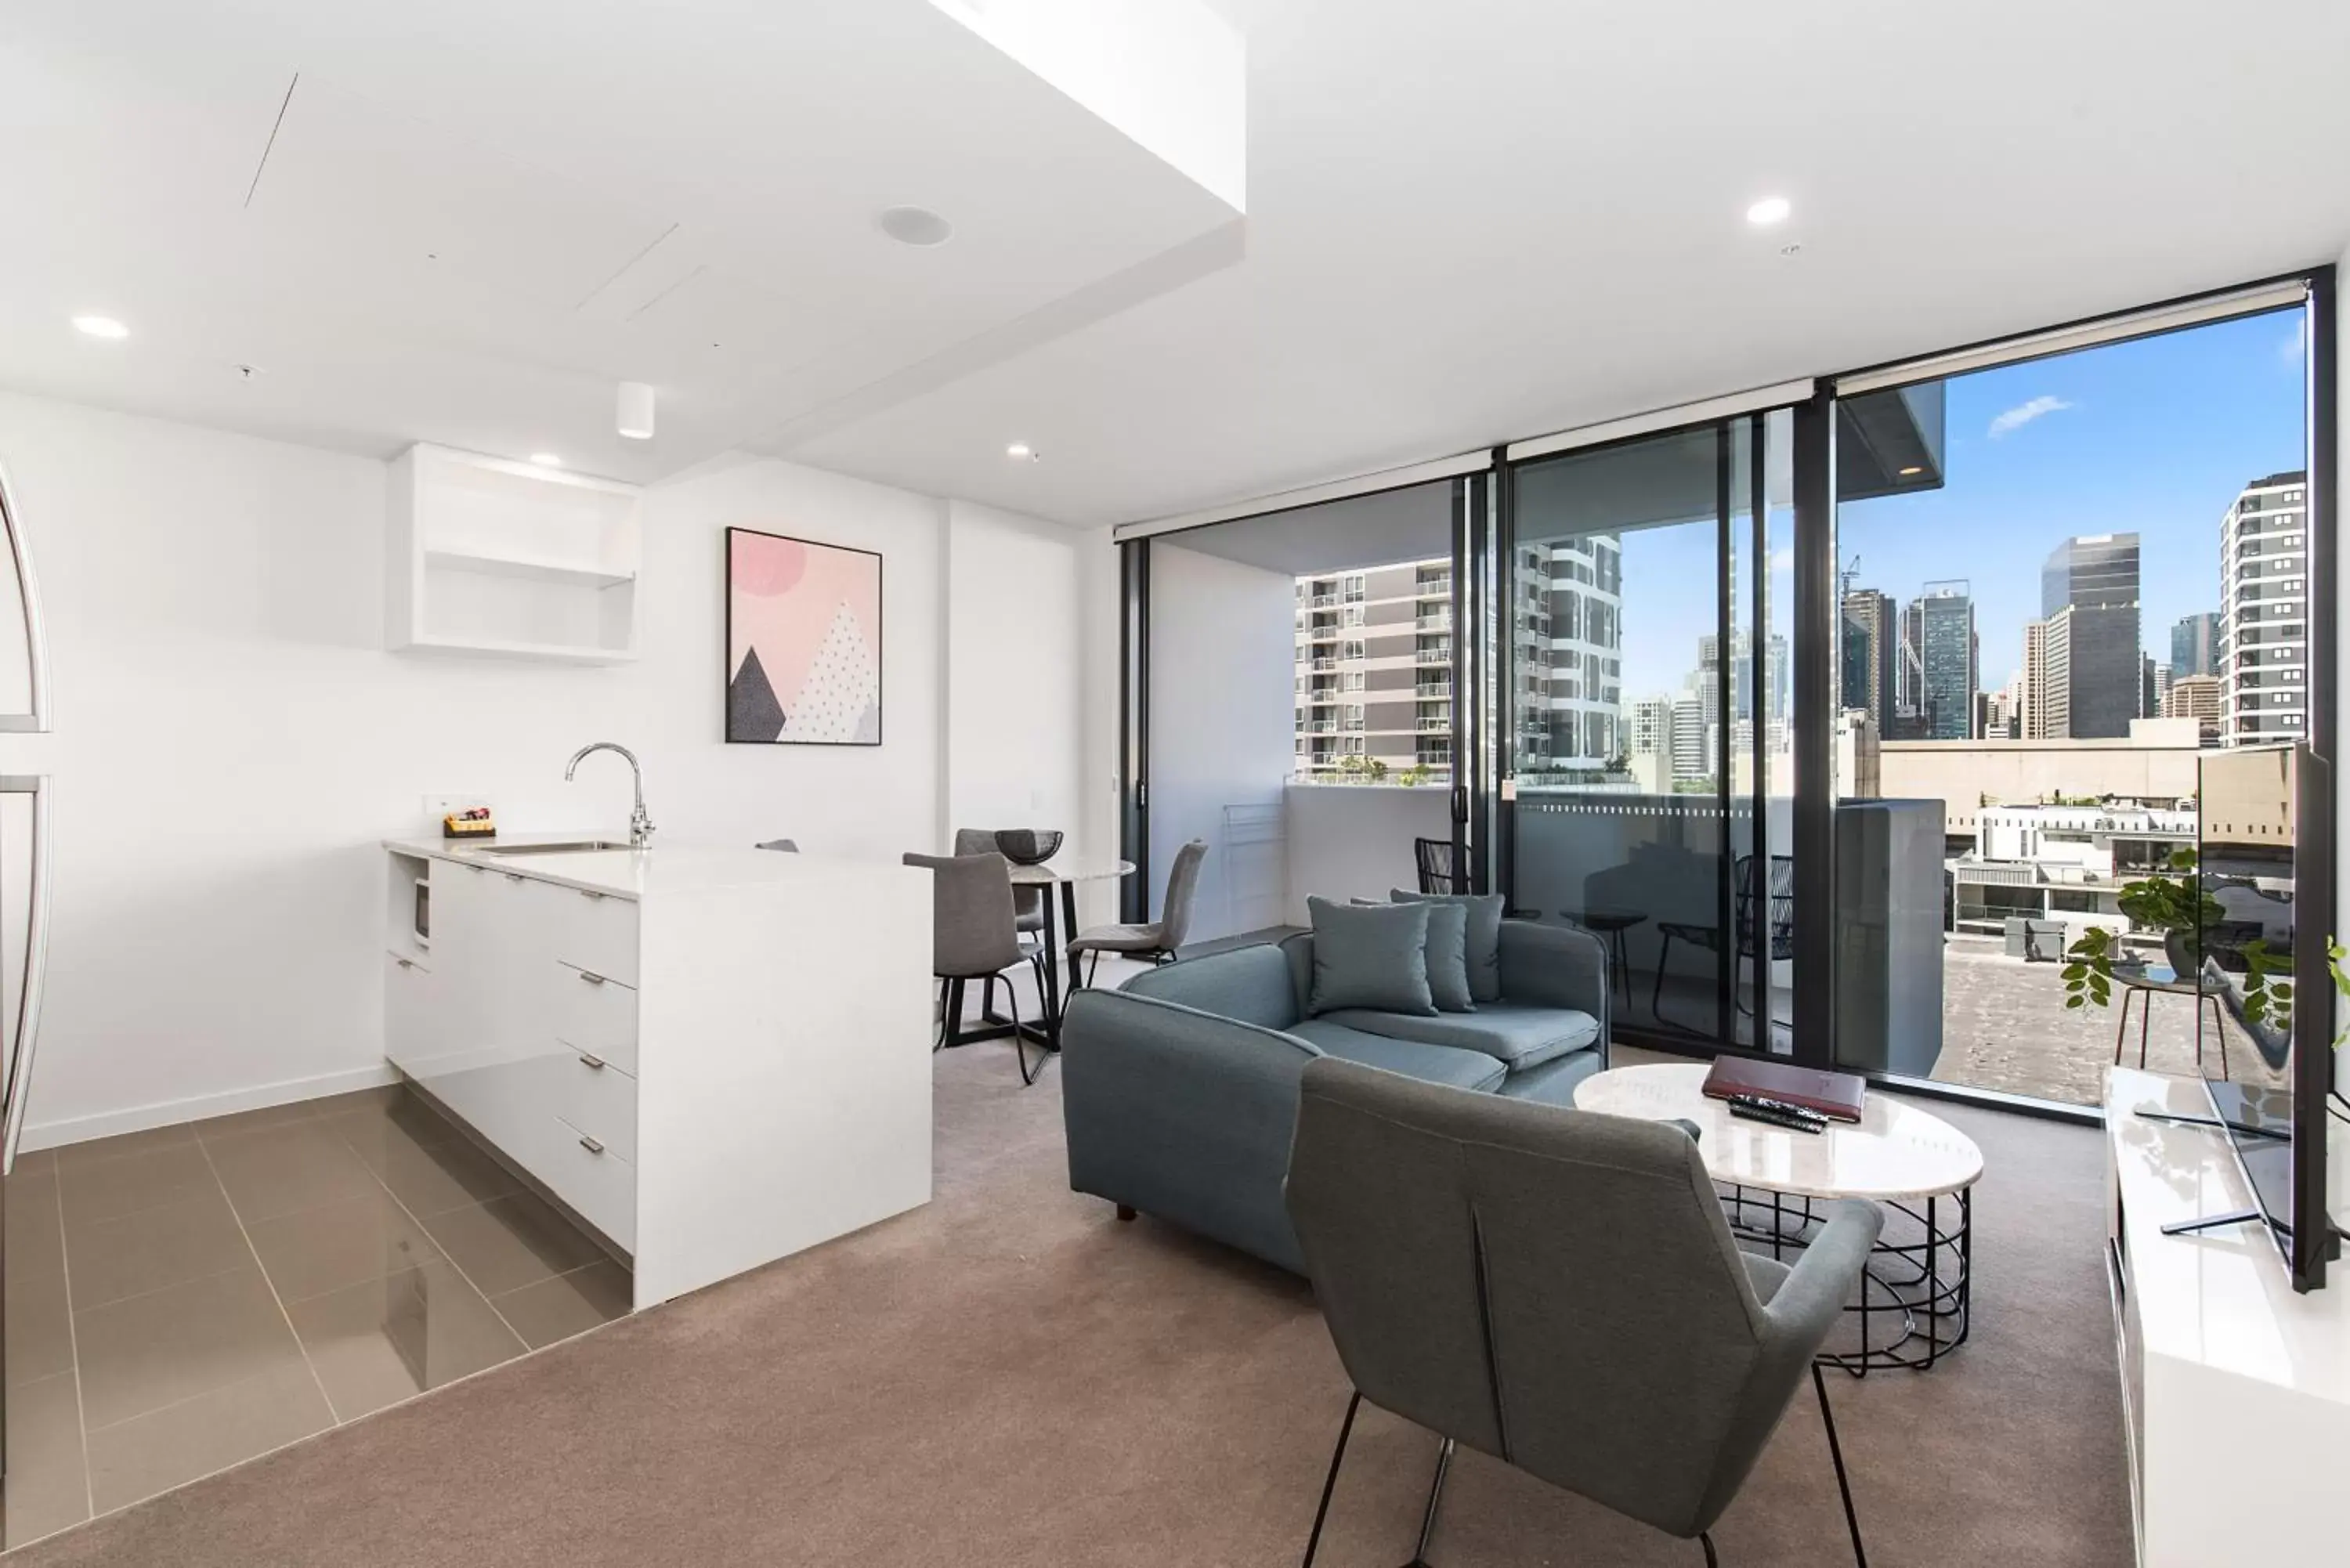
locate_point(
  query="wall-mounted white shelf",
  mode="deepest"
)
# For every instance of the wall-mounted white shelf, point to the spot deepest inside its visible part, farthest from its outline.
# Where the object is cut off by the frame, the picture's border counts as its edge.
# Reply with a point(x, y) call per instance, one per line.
point(510, 560)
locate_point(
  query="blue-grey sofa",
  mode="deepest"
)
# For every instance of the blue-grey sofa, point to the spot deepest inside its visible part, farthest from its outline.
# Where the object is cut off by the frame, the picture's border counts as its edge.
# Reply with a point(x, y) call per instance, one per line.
point(1179, 1091)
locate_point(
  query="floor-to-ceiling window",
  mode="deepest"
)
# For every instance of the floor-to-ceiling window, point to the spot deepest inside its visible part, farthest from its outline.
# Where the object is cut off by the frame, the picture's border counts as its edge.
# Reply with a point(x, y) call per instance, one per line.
point(1650, 702)
point(2096, 576)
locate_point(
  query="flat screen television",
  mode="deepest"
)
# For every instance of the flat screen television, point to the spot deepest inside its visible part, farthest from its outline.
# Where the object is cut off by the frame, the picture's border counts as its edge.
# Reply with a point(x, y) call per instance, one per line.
point(2265, 862)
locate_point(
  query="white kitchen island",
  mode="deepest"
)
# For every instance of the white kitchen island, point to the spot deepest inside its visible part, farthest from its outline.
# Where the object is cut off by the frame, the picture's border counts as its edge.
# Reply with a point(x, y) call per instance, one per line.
point(713, 1057)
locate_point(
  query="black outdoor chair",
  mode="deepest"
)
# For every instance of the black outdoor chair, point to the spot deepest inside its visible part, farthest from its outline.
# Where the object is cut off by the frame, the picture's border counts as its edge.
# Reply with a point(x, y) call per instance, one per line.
point(1780, 918)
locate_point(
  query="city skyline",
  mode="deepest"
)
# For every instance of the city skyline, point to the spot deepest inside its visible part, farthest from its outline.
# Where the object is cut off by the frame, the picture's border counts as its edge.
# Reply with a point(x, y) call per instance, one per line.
point(2155, 437)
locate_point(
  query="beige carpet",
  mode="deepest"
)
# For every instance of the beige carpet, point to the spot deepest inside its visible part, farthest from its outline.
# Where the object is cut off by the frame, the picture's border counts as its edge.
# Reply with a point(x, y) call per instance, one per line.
point(1009, 1377)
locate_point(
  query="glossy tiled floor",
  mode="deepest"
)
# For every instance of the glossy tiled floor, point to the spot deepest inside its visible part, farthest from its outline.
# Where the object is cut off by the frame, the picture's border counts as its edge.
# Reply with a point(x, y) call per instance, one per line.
point(181, 1299)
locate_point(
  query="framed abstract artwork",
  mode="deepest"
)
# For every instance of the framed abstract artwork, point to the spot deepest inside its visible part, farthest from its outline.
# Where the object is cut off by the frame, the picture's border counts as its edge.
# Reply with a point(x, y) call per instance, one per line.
point(803, 642)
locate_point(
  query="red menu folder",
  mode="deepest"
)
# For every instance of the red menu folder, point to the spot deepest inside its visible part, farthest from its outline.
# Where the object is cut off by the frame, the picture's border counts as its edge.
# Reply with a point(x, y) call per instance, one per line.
point(1834, 1095)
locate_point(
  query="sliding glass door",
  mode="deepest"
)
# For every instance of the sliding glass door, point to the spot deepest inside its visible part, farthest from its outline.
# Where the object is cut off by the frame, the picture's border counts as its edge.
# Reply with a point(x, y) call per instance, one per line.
point(1648, 720)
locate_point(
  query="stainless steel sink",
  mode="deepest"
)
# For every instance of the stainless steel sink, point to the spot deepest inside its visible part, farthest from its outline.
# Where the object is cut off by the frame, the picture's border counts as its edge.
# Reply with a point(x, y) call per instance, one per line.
point(575, 846)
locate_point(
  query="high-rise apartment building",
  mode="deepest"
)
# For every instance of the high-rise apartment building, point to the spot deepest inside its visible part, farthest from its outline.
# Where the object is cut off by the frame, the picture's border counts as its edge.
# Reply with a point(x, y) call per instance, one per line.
point(1946, 657)
point(1691, 725)
point(2090, 584)
point(1579, 622)
point(2195, 644)
point(2264, 612)
point(1375, 659)
point(1864, 666)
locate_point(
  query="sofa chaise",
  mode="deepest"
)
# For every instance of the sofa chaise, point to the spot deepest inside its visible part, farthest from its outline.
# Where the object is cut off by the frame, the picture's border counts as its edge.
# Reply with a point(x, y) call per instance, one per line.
point(1179, 1091)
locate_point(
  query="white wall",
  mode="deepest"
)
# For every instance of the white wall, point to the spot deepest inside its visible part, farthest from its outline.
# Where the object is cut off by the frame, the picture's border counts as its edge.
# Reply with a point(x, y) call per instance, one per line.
point(231, 739)
point(1223, 715)
point(1012, 673)
point(1355, 841)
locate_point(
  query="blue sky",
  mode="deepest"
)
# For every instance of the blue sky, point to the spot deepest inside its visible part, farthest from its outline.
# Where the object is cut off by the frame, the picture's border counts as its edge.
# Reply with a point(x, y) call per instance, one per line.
point(2155, 437)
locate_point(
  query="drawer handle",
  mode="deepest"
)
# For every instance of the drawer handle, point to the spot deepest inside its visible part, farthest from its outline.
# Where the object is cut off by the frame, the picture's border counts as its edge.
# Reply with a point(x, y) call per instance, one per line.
point(593, 1064)
point(513, 876)
point(405, 963)
point(591, 977)
point(589, 893)
point(590, 1145)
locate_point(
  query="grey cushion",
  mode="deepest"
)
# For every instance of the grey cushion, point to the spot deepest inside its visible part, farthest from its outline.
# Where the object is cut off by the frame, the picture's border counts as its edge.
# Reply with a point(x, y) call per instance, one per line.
point(1370, 956)
point(1513, 1033)
point(1429, 1064)
point(1483, 948)
point(1554, 1082)
point(1448, 955)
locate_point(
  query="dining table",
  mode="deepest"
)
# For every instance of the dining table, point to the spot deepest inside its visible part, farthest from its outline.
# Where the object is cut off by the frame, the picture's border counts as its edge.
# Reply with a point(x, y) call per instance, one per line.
point(1060, 929)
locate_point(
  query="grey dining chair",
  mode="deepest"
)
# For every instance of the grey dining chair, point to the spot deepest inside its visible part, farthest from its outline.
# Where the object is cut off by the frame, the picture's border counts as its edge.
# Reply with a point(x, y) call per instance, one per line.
point(1028, 903)
point(974, 936)
point(1559, 1289)
point(1154, 939)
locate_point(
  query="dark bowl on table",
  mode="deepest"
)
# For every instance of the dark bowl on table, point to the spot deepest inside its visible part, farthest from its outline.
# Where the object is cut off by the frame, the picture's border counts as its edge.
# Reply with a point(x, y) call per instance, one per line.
point(1029, 846)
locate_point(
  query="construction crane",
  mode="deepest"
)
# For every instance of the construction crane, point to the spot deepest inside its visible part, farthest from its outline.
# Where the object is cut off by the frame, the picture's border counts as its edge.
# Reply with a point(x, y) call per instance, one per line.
point(1844, 577)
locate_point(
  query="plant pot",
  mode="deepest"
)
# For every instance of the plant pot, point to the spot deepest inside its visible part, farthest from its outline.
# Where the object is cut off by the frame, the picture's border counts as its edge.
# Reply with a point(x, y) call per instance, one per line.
point(2185, 951)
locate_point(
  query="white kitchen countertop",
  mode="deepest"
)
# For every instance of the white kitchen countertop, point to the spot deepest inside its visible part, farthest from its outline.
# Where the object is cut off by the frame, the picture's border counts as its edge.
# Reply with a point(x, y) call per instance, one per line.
point(665, 869)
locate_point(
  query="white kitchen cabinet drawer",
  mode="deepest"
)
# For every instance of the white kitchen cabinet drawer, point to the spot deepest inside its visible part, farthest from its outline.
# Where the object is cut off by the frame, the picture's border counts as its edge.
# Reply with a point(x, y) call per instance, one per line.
point(599, 1101)
point(411, 1031)
point(596, 932)
point(596, 1016)
point(582, 1170)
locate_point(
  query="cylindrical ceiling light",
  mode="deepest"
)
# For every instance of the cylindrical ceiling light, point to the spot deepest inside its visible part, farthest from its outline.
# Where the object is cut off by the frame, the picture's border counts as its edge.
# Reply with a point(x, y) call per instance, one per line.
point(636, 410)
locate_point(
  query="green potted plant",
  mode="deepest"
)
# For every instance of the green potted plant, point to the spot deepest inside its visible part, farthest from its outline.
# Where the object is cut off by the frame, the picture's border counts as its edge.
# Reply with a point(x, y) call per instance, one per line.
point(2172, 900)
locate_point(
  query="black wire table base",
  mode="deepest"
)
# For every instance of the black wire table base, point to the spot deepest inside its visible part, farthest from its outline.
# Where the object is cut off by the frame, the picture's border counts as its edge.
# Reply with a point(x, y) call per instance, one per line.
point(1917, 1294)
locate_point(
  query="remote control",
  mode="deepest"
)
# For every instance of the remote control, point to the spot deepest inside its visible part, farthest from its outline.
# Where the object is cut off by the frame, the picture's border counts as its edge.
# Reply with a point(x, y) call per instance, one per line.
point(1763, 1111)
point(1784, 1107)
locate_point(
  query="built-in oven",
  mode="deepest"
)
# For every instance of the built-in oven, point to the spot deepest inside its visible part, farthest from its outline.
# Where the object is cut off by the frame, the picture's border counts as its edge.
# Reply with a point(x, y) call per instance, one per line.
point(422, 920)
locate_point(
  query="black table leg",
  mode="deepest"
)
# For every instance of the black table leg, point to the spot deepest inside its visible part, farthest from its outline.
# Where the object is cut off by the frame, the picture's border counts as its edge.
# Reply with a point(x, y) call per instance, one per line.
point(1049, 1004)
point(1068, 935)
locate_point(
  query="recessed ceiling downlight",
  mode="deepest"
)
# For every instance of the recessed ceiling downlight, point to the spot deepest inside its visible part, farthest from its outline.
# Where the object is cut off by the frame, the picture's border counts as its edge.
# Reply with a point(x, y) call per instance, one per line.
point(100, 326)
point(1021, 452)
point(1770, 209)
point(915, 226)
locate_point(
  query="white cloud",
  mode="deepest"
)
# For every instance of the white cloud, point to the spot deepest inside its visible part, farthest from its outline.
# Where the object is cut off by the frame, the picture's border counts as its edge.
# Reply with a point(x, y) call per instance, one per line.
point(2289, 347)
point(2022, 414)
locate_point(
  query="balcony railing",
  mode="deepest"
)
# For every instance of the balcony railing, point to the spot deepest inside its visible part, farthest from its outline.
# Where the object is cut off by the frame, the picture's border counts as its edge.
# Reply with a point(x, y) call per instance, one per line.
point(1324, 662)
point(1325, 601)
point(1440, 621)
point(1323, 694)
point(1433, 688)
point(1431, 726)
point(1428, 588)
point(1433, 656)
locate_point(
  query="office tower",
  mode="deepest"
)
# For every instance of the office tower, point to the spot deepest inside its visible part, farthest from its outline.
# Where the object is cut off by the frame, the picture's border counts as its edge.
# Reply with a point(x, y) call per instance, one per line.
point(2149, 697)
point(2264, 613)
point(1866, 666)
point(1946, 656)
point(2196, 697)
point(1908, 671)
point(1778, 686)
point(2091, 584)
point(2032, 684)
point(1691, 730)
point(1651, 728)
point(2195, 644)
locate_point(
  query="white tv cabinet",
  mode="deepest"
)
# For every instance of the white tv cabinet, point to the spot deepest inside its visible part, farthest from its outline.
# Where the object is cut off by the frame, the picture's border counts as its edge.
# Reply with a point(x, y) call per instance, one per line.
point(2236, 1390)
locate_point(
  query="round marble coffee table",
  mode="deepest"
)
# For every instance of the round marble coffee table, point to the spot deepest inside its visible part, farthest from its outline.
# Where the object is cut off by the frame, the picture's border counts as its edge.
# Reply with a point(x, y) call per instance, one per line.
point(1905, 1159)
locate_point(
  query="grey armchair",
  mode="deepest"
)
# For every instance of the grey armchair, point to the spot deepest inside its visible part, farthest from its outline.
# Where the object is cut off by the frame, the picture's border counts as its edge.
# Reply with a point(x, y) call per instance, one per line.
point(1559, 1289)
point(974, 936)
point(1154, 939)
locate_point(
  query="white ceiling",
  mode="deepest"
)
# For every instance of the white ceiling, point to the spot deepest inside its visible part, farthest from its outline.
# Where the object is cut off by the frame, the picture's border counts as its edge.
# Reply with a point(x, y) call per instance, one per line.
point(466, 223)
point(1467, 223)
point(1492, 219)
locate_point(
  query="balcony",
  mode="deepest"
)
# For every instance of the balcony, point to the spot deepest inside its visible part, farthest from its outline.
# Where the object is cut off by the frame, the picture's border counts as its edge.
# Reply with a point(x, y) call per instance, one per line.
point(1433, 587)
point(1432, 656)
point(1428, 689)
point(1325, 601)
point(1438, 620)
point(1321, 694)
point(1432, 726)
point(1324, 662)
